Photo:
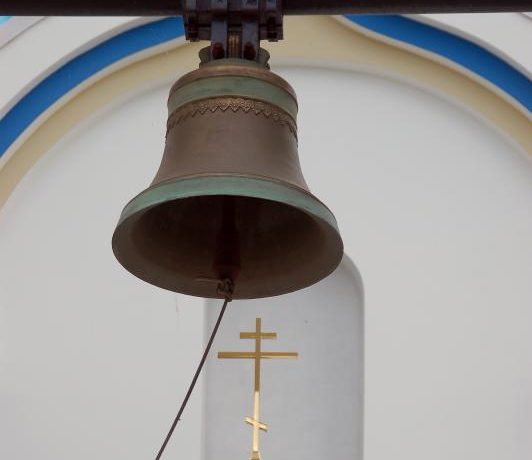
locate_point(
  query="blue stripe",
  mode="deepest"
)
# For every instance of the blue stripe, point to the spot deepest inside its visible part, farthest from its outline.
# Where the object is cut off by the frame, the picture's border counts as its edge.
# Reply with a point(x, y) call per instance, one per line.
point(463, 52)
point(82, 67)
point(4, 19)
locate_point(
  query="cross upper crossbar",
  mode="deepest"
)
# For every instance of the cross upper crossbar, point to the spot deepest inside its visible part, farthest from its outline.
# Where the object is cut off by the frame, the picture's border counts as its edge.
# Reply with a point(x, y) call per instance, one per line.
point(254, 335)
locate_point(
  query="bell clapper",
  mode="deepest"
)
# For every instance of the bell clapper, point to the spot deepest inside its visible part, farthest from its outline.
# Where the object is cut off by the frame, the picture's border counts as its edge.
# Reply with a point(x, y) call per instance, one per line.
point(224, 287)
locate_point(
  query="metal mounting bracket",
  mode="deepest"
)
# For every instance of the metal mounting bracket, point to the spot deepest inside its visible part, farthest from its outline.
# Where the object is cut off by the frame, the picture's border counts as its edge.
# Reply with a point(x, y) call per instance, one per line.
point(234, 27)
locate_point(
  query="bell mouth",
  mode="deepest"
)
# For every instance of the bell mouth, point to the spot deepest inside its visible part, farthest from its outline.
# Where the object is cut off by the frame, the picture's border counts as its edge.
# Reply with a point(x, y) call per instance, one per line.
point(271, 237)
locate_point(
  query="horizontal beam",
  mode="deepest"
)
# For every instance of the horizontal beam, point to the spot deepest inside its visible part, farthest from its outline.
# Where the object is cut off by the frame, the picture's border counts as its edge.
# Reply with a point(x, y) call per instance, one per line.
point(329, 7)
point(290, 7)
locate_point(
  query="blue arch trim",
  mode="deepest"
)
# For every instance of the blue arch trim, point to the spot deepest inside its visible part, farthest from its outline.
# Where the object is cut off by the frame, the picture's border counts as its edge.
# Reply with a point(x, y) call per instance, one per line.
point(79, 69)
point(142, 37)
point(465, 53)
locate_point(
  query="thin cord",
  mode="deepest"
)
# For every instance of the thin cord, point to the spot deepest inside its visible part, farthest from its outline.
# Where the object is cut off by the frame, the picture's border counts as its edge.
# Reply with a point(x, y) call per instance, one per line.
point(196, 375)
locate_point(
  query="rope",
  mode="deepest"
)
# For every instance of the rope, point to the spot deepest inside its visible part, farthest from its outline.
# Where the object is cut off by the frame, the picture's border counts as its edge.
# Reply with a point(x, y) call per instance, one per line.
point(225, 288)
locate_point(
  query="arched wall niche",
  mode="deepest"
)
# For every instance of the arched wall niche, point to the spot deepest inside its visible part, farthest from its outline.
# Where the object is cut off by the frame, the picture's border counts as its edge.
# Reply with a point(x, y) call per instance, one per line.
point(313, 406)
point(433, 211)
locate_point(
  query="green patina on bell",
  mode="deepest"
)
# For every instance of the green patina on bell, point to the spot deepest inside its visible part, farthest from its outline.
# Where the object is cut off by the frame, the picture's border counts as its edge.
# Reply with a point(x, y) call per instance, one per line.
point(229, 199)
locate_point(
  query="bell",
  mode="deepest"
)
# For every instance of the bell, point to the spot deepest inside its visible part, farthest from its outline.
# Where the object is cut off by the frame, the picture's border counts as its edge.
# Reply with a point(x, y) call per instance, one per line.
point(229, 201)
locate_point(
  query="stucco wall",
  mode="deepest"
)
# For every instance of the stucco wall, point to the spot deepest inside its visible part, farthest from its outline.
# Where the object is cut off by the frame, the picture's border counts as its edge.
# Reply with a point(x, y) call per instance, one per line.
point(433, 203)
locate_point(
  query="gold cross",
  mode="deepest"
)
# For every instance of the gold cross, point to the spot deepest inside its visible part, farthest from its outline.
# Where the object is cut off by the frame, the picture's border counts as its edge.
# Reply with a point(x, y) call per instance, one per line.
point(257, 355)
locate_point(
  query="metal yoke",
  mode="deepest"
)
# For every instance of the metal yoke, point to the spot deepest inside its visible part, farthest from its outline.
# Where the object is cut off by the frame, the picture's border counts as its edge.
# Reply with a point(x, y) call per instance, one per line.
point(234, 27)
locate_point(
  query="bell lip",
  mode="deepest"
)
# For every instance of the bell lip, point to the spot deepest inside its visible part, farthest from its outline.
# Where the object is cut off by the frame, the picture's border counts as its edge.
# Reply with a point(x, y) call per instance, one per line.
point(233, 184)
point(228, 184)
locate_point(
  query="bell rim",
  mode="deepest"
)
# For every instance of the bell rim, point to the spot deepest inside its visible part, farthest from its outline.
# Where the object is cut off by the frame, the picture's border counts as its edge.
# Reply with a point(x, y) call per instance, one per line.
point(231, 185)
point(235, 185)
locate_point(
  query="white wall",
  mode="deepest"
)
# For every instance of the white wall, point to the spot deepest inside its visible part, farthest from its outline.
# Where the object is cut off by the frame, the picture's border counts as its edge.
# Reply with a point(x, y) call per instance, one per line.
point(435, 208)
point(94, 362)
point(433, 204)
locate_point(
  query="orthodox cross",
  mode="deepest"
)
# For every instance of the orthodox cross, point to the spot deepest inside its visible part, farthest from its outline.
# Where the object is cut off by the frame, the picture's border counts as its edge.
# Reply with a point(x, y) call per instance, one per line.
point(257, 355)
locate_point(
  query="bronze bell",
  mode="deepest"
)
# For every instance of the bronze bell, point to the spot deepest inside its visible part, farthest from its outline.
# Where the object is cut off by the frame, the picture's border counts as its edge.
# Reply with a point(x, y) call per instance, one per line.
point(229, 200)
